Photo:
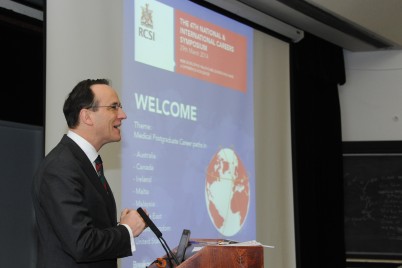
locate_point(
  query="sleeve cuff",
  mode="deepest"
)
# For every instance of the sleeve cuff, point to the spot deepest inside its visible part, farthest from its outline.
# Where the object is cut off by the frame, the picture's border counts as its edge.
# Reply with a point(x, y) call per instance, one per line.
point(131, 237)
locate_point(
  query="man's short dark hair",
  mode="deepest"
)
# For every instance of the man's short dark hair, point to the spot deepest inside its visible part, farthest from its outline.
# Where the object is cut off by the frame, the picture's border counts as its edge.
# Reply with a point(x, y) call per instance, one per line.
point(80, 97)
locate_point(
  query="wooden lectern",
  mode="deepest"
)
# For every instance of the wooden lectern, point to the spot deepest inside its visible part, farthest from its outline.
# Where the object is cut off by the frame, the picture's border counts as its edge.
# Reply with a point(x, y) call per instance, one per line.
point(213, 255)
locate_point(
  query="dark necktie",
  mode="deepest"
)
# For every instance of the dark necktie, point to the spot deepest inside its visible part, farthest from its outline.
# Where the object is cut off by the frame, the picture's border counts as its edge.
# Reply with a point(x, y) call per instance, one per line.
point(99, 170)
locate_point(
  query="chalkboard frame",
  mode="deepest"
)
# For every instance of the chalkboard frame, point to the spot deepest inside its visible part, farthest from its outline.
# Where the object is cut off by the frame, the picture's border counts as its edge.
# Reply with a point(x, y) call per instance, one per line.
point(371, 150)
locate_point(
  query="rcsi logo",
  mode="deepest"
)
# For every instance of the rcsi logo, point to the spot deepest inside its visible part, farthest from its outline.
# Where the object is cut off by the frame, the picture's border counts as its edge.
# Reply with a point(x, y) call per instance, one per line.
point(154, 37)
point(147, 22)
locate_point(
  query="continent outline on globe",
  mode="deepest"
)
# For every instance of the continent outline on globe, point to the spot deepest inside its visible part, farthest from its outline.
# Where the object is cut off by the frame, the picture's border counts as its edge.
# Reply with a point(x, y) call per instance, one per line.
point(227, 192)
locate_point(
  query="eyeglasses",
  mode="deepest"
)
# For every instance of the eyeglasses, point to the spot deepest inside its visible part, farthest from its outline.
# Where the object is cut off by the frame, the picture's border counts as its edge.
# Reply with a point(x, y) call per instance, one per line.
point(113, 107)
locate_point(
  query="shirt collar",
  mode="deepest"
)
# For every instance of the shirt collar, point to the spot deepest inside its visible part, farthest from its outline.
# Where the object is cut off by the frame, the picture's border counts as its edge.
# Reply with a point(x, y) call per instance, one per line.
point(88, 149)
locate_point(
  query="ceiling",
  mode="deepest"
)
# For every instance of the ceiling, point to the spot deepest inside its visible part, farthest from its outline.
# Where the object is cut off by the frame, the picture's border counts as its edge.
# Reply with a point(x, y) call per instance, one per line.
point(382, 18)
point(356, 25)
point(37, 4)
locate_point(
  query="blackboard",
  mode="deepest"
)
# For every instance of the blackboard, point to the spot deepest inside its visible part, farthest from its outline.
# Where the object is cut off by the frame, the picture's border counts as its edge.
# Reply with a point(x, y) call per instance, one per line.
point(373, 200)
point(20, 154)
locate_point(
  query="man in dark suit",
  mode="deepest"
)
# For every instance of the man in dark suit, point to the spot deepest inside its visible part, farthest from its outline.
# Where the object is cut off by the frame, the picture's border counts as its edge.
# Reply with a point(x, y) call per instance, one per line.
point(75, 212)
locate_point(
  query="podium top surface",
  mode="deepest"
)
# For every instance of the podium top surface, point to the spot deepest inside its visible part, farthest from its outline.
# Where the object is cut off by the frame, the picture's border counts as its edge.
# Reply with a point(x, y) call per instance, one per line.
point(217, 253)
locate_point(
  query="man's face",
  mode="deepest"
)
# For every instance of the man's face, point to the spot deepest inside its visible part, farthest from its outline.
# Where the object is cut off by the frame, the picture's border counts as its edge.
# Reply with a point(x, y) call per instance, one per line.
point(108, 116)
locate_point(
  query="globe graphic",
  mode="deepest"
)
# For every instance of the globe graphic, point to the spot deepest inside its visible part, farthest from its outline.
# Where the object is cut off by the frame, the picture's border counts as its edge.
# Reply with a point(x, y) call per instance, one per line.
point(227, 192)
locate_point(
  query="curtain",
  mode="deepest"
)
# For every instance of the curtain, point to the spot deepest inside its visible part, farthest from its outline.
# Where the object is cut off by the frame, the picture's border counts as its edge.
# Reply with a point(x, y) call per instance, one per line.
point(317, 68)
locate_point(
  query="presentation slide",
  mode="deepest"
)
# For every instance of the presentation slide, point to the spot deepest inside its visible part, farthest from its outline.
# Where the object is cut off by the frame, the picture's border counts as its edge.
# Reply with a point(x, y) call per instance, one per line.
point(188, 141)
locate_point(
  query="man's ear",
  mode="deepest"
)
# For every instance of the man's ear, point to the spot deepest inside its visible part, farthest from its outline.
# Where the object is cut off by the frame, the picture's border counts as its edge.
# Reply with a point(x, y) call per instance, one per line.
point(86, 117)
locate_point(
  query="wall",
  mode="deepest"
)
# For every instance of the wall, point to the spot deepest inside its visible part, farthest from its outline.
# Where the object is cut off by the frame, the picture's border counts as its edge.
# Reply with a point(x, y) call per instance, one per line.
point(371, 99)
point(77, 49)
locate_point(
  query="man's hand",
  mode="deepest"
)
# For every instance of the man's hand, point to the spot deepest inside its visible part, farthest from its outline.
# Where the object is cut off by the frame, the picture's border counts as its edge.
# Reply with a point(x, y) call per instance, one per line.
point(133, 220)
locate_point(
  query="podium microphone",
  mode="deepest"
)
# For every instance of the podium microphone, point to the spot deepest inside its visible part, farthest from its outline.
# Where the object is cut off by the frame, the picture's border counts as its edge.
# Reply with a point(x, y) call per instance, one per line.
point(158, 234)
point(149, 222)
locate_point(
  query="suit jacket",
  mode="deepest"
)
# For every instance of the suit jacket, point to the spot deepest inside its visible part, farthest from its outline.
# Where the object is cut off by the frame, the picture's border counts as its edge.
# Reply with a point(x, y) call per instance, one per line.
point(75, 216)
